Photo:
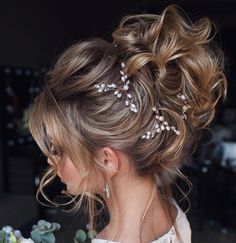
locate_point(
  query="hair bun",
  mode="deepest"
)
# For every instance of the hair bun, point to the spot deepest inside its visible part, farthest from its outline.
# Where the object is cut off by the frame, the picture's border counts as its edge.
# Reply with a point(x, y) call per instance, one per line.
point(178, 55)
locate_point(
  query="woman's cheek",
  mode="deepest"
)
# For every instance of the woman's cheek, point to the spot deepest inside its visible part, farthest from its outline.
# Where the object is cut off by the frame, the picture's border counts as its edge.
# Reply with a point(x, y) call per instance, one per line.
point(69, 174)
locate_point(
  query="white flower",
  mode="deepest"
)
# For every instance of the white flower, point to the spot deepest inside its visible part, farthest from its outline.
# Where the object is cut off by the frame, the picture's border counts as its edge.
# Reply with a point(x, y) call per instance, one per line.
point(17, 234)
point(24, 240)
point(8, 229)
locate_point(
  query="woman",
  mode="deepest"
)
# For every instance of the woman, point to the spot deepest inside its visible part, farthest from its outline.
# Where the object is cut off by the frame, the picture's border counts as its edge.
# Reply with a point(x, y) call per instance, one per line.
point(119, 119)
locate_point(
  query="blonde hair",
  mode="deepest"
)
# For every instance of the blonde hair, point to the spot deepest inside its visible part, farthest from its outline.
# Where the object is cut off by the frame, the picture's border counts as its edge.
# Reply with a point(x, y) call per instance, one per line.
point(164, 55)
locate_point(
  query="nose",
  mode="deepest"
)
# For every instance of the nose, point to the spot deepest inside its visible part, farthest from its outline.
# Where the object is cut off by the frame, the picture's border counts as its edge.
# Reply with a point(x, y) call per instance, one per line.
point(49, 161)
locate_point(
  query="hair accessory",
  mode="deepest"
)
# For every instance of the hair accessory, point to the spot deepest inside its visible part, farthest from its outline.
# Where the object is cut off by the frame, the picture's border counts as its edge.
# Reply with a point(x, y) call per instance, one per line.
point(159, 125)
point(106, 189)
point(120, 90)
point(184, 98)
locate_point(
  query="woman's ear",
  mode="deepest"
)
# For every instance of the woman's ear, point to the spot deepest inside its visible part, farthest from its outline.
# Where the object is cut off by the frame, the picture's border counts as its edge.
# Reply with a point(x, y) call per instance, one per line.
point(109, 160)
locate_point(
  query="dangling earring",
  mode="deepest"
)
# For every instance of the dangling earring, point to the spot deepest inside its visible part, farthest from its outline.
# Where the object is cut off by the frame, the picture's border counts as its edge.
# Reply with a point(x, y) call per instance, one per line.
point(106, 189)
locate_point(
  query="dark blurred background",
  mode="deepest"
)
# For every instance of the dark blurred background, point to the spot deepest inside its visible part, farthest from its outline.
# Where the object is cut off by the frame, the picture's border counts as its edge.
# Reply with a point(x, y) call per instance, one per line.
point(32, 34)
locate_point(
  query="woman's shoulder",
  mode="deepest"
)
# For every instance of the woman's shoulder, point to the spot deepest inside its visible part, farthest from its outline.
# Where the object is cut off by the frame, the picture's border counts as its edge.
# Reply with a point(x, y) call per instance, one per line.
point(183, 227)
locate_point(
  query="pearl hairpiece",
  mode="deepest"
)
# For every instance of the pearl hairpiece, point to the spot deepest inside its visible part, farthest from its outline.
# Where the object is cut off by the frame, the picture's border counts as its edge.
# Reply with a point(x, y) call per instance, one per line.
point(186, 106)
point(160, 123)
point(120, 90)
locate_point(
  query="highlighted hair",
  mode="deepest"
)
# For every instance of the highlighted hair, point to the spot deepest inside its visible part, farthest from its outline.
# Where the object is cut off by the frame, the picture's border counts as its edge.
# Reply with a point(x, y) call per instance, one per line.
point(164, 55)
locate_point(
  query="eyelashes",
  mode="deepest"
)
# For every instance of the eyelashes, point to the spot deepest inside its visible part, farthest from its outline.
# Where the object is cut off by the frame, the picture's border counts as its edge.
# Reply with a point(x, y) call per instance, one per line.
point(52, 150)
point(54, 153)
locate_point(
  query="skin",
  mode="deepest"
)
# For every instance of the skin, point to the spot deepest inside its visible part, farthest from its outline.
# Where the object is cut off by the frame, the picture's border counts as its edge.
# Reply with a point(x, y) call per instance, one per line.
point(68, 173)
point(131, 200)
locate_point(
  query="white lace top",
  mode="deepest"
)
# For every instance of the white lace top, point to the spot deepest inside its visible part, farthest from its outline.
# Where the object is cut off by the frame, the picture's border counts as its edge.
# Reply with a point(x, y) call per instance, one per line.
point(171, 236)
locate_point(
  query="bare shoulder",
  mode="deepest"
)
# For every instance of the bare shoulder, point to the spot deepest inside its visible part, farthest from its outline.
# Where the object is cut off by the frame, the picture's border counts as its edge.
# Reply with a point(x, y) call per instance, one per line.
point(103, 234)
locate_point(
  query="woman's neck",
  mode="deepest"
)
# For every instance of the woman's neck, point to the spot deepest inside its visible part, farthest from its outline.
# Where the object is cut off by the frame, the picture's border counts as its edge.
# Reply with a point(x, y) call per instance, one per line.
point(128, 204)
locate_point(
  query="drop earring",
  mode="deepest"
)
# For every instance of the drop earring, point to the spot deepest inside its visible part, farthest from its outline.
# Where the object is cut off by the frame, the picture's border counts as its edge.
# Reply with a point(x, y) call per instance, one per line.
point(106, 189)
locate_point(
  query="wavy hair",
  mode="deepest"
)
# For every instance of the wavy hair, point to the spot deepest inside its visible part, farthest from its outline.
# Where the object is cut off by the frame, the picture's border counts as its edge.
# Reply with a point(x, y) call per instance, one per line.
point(164, 54)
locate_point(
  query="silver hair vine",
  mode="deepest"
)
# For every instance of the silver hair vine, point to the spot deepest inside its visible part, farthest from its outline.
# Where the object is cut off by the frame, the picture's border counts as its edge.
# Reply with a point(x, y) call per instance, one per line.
point(185, 107)
point(118, 91)
point(160, 124)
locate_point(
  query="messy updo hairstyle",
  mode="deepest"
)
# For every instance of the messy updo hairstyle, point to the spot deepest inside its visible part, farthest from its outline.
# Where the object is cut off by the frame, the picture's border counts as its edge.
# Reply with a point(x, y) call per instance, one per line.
point(164, 55)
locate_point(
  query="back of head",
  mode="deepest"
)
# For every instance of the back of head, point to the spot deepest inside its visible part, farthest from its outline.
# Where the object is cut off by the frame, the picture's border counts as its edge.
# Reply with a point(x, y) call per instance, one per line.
point(164, 55)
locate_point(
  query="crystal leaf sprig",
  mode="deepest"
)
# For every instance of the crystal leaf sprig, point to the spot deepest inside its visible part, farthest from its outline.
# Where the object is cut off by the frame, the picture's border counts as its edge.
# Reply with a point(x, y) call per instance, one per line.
point(160, 125)
point(119, 91)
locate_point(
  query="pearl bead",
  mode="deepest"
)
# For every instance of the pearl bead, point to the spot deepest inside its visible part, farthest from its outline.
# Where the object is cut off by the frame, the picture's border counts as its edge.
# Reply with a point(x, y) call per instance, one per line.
point(126, 87)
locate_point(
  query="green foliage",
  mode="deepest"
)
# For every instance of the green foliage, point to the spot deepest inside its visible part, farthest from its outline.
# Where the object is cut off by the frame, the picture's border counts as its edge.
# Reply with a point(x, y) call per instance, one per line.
point(43, 232)
point(81, 236)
